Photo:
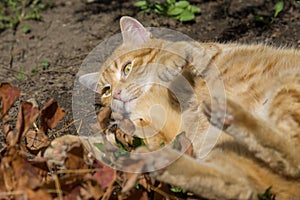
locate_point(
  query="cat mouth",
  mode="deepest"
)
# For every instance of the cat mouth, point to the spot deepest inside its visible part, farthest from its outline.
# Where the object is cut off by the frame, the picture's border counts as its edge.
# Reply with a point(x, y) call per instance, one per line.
point(123, 107)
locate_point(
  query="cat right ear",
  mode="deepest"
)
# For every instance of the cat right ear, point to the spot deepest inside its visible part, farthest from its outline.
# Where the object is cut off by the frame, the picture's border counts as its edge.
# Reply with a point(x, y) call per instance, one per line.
point(133, 32)
point(90, 81)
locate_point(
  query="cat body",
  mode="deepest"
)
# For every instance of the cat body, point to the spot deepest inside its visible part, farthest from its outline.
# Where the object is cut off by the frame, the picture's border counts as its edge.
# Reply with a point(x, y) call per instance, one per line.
point(251, 93)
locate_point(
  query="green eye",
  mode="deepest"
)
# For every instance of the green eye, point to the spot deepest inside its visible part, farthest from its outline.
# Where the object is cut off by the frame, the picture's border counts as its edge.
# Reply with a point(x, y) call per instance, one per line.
point(127, 69)
point(106, 90)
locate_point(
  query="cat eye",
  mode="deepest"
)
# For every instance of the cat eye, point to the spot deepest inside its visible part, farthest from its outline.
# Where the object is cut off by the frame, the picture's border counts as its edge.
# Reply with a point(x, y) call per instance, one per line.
point(106, 90)
point(126, 69)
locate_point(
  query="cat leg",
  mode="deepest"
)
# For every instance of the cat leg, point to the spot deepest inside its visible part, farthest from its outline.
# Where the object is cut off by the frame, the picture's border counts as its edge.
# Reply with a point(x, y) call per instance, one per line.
point(217, 180)
point(280, 153)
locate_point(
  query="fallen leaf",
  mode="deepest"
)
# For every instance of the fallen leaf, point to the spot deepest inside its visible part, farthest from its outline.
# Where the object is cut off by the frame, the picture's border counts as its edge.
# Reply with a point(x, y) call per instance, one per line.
point(104, 117)
point(8, 95)
point(51, 114)
point(39, 194)
point(26, 116)
point(92, 190)
point(18, 173)
point(105, 175)
point(74, 194)
point(36, 140)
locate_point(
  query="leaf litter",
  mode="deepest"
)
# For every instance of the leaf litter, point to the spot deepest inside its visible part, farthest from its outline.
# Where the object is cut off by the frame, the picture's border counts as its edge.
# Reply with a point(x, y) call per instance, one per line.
point(34, 166)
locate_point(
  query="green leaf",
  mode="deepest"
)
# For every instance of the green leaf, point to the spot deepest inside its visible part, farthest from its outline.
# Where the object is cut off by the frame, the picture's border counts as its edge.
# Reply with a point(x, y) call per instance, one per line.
point(21, 74)
point(25, 29)
point(44, 64)
point(186, 16)
point(258, 18)
point(278, 8)
point(194, 9)
point(121, 153)
point(171, 1)
point(158, 8)
point(177, 189)
point(5, 18)
point(174, 11)
point(140, 3)
point(100, 146)
point(35, 70)
point(137, 142)
point(42, 6)
point(182, 4)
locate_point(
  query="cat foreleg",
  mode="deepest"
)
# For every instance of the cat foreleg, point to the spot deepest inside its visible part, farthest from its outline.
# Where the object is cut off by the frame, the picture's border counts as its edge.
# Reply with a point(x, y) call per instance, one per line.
point(259, 137)
point(205, 179)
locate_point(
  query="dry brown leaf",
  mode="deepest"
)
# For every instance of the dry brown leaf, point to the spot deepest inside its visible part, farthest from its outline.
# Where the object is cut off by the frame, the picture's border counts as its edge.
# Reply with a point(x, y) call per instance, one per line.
point(103, 117)
point(137, 195)
point(93, 189)
point(36, 140)
point(39, 194)
point(74, 194)
point(75, 158)
point(26, 116)
point(2, 184)
point(8, 95)
point(18, 173)
point(51, 114)
point(105, 175)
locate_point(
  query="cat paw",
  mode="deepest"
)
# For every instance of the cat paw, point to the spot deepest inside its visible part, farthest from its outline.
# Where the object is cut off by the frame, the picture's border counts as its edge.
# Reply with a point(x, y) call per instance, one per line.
point(56, 153)
point(218, 113)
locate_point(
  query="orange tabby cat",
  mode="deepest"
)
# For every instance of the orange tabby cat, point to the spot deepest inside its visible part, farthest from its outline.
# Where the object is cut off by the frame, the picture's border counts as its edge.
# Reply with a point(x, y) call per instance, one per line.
point(260, 116)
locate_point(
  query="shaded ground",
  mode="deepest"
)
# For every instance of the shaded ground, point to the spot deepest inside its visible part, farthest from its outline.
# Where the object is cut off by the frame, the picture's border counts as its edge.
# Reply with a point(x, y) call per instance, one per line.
point(70, 29)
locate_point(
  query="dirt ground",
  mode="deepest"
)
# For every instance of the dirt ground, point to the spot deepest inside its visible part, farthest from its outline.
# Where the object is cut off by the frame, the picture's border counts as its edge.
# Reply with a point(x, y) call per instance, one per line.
point(70, 29)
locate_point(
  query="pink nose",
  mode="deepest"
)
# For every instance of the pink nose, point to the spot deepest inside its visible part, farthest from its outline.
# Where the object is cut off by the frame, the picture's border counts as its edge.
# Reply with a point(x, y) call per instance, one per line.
point(117, 94)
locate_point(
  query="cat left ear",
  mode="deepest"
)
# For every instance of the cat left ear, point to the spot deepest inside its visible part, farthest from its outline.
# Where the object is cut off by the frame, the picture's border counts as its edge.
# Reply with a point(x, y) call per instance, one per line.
point(133, 31)
point(90, 81)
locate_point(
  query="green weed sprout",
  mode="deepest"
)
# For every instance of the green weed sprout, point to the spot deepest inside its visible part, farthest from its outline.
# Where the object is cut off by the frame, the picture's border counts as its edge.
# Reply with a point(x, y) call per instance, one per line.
point(180, 10)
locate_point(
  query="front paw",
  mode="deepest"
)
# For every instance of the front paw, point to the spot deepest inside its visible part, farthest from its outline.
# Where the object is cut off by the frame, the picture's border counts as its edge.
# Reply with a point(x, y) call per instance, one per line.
point(57, 153)
point(218, 112)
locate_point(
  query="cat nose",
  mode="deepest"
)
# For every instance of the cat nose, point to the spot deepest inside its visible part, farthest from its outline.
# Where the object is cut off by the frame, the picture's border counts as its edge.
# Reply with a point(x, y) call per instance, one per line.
point(117, 94)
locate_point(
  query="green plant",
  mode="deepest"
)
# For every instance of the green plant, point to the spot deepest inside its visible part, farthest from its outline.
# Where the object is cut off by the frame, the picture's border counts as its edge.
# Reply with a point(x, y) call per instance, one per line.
point(25, 28)
point(21, 75)
point(34, 70)
point(181, 10)
point(177, 189)
point(13, 12)
point(278, 8)
point(44, 64)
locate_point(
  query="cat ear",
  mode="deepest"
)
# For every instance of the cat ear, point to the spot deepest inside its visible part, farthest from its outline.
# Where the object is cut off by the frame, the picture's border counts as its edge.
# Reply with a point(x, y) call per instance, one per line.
point(133, 32)
point(90, 81)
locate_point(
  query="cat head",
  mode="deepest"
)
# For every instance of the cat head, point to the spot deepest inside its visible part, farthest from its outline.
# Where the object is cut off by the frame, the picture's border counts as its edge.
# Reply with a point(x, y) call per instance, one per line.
point(128, 78)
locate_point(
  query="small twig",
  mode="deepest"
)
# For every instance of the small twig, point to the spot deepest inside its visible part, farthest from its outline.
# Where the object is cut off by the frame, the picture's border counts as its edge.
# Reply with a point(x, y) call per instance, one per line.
point(57, 186)
point(65, 127)
point(76, 171)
